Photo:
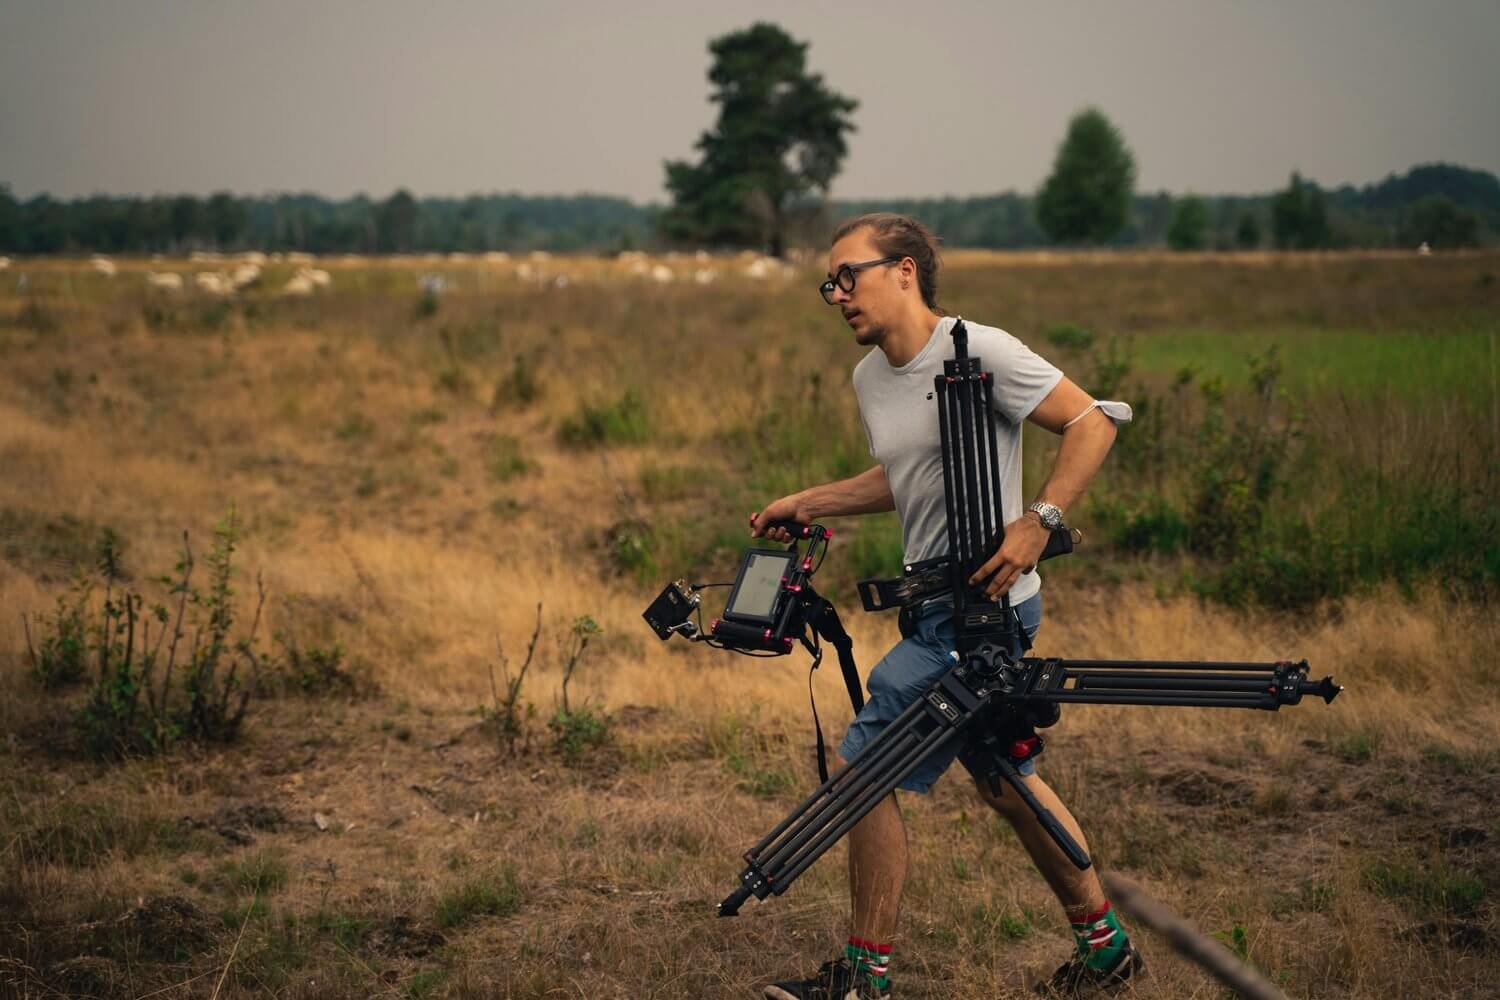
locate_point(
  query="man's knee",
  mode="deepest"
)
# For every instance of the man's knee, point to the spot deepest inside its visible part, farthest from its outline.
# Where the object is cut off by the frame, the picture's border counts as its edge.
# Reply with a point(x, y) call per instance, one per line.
point(1007, 802)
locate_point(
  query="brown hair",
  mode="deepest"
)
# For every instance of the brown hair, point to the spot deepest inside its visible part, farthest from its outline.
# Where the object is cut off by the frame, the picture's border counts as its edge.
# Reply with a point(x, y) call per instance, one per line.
point(901, 236)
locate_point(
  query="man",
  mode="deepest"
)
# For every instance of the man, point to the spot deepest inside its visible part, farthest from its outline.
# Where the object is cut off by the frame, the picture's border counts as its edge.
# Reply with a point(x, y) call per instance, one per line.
point(883, 271)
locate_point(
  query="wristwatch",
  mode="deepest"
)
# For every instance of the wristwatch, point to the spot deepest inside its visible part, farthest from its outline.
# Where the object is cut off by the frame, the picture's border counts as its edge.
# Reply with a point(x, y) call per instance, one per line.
point(1049, 514)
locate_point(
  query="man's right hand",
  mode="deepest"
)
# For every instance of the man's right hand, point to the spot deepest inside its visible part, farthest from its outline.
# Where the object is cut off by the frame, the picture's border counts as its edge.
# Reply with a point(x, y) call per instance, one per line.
point(786, 509)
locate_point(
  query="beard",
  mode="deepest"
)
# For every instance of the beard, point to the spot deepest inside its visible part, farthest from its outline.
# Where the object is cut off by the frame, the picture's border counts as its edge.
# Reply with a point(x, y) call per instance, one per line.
point(870, 336)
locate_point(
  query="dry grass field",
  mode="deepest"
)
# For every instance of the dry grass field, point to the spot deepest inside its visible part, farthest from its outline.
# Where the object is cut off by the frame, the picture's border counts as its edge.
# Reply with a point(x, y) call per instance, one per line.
point(413, 472)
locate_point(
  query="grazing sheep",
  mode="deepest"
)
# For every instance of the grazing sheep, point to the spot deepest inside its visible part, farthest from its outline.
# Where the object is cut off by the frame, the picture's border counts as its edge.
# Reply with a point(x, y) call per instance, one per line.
point(300, 286)
point(204, 257)
point(704, 275)
point(214, 283)
point(254, 257)
point(759, 269)
point(662, 275)
point(103, 265)
point(432, 283)
point(317, 276)
point(458, 257)
point(4, 263)
point(1424, 249)
point(540, 255)
point(167, 281)
point(526, 272)
point(245, 275)
point(496, 257)
point(561, 281)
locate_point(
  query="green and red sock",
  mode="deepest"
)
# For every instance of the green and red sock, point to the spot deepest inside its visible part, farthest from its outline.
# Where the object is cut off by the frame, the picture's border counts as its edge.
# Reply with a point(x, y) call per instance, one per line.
point(874, 960)
point(1101, 939)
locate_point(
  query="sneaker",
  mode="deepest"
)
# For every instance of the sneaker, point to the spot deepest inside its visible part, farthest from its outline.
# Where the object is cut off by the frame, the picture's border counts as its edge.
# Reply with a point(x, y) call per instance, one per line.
point(836, 980)
point(1075, 979)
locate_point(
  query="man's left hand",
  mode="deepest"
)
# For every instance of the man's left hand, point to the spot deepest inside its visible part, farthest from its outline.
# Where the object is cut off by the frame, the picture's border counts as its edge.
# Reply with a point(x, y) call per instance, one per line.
point(1025, 538)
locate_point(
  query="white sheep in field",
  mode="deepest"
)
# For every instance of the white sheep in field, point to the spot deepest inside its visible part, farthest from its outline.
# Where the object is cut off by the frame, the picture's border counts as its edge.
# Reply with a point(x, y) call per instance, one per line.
point(662, 275)
point(317, 276)
point(103, 265)
point(758, 269)
point(166, 281)
point(4, 263)
point(245, 275)
point(496, 257)
point(300, 286)
point(254, 257)
point(704, 275)
point(213, 283)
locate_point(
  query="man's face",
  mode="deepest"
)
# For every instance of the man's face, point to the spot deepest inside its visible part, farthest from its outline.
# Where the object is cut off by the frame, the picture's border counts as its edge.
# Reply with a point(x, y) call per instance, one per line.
point(875, 303)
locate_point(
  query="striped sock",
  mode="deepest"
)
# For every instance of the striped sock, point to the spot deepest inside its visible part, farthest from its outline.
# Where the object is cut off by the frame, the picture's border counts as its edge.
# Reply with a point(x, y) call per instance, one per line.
point(1101, 939)
point(872, 959)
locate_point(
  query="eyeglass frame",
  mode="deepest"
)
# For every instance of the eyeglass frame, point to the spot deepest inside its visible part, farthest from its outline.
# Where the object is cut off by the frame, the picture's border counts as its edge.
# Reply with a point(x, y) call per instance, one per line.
point(826, 289)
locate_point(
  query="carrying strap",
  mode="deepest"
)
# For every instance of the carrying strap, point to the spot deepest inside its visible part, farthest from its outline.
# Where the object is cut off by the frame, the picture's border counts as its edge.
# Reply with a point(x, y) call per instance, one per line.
point(824, 620)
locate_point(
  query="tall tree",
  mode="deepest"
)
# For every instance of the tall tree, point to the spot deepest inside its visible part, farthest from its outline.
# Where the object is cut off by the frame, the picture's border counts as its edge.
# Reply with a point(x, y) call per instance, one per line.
point(224, 218)
point(1299, 216)
point(396, 222)
point(1087, 197)
point(1189, 228)
point(780, 135)
point(1440, 223)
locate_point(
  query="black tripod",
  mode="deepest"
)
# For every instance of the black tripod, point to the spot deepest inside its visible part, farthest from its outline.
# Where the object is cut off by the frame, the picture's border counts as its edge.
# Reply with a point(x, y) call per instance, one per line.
point(991, 703)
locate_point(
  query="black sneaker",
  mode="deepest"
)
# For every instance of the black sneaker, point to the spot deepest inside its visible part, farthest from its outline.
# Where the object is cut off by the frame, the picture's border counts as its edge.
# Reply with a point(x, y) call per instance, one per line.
point(1075, 979)
point(836, 980)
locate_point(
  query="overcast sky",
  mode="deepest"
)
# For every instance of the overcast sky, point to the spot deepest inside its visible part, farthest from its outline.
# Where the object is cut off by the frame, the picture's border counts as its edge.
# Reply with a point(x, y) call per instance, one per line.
point(147, 96)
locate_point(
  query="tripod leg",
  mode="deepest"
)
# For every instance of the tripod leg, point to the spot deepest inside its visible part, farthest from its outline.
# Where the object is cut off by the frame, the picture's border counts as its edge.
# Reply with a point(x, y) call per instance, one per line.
point(1003, 768)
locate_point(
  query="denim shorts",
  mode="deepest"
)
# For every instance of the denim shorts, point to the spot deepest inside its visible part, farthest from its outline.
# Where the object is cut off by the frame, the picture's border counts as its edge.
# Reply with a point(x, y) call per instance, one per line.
point(909, 669)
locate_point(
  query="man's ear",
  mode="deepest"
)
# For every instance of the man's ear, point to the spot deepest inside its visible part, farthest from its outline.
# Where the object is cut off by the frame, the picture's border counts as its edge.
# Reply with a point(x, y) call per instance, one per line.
point(908, 268)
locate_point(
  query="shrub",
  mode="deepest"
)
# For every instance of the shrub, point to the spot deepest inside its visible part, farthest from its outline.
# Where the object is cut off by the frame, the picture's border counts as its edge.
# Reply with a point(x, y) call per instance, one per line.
point(518, 388)
point(506, 460)
point(133, 707)
point(621, 422)
point(58, 660)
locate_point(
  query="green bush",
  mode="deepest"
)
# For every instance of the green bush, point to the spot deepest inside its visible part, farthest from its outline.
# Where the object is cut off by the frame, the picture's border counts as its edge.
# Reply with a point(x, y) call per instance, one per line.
point(623, 422)
point(58, 660)
point(150, 688)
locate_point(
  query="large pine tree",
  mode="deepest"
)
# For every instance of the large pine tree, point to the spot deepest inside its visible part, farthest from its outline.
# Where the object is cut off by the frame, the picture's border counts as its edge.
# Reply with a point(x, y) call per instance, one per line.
point(779, 135)
point(1087, 197)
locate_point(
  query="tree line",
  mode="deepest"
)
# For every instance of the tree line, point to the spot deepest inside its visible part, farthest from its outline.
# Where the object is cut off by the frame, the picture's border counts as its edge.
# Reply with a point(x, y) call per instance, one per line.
point(762, 180)
point(1441, 205)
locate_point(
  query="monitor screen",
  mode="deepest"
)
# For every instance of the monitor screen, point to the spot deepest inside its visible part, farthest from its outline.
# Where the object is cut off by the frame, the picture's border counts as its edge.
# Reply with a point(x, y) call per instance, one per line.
point(760, 580)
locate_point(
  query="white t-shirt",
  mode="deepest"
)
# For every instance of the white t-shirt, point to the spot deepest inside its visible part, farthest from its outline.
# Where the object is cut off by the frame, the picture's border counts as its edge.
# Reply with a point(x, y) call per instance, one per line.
point(900, 413)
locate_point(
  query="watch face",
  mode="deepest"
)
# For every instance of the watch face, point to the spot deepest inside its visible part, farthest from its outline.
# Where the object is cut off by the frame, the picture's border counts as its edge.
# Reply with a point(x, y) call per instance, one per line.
point(1050, 515)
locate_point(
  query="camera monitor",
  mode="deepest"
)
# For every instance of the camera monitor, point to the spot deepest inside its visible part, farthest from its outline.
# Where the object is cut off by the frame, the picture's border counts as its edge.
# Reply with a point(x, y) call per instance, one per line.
point(753, 598)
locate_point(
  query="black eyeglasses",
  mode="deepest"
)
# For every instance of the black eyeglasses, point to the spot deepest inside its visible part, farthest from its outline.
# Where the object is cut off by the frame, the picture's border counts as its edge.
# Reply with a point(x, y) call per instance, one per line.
point(844, 276)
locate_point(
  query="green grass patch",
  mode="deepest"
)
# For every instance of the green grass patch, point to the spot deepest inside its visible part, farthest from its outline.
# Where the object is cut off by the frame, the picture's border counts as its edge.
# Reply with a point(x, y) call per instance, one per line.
point(260, 872)
point(1409, 364)
point(506, 460)
point(85, 833)
point(494, 893)
point(624, 421)
point(1437, 890)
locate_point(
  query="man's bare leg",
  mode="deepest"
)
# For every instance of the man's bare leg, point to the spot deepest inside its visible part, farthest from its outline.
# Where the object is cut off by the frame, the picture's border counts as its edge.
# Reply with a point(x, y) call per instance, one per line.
point(877, 870)
point(1078, 891)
